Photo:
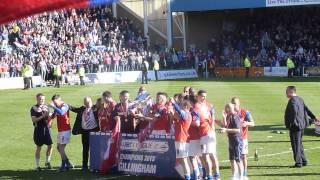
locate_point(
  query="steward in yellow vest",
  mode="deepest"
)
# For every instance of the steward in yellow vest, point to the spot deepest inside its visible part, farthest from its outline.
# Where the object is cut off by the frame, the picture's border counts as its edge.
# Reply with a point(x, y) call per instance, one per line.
point(81, 74)
point(57, 75)
point(291, 66)
point(247, 65)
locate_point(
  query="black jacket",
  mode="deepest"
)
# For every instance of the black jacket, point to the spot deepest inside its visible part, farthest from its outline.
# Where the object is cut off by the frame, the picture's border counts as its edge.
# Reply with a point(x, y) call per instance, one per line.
point(297, 114)
point(77, 127)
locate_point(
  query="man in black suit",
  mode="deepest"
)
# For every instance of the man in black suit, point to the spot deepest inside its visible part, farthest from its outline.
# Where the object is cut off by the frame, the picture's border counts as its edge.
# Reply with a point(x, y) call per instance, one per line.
point(86, 122)
point(296, 117)
point(145, 67)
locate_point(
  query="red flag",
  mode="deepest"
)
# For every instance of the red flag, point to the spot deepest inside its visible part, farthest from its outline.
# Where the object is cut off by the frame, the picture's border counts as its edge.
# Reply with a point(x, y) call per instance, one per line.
point(112, 154)
point(143, 134)
point(15, 9)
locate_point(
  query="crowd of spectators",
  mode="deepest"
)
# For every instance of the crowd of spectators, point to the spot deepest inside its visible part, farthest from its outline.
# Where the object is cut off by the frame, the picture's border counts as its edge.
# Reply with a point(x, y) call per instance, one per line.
point(92, 37)
point(269, 36)
point(102, 43)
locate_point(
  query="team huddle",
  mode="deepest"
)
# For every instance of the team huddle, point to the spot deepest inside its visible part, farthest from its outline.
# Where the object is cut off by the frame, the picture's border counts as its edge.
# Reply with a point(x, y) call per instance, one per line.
point(188, 115)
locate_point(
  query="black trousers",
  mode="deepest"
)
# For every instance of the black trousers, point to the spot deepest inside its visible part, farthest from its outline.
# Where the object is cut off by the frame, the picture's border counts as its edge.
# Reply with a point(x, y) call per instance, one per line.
point(27, 81)
point(144, 77)
point(247, 72)
point(290, 72)
point(156, 74)
point(81, 80)
point(297, 147)
point(57, 81)
point(85, 148)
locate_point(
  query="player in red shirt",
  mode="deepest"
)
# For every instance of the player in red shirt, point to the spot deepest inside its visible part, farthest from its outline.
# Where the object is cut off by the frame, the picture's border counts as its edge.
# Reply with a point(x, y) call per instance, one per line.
point(106, 121)
point(246, 121)
point(61, 111)
point(207, 135)
point(194, 150)
point(124, 109)
point(183, 120)
point(159, 115)
point(194, 144)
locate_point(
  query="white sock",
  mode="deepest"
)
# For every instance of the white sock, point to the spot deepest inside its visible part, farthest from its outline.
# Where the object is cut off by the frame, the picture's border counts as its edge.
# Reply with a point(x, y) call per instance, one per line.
point(48, 159)
point(37, 163)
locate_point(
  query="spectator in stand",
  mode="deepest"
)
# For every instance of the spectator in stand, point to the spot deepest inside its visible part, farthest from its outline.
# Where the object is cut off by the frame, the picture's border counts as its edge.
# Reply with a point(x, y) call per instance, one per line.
point(43, 69)
point(116, 60)
point(211, 67)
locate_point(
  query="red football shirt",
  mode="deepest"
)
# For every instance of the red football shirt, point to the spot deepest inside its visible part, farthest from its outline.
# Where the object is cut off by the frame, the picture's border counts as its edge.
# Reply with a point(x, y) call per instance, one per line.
point(181, 128)
point(194, 133)
point(162, 123)
point(63, 122)
point(105, 117)
point(242, 114)
point(206, 121)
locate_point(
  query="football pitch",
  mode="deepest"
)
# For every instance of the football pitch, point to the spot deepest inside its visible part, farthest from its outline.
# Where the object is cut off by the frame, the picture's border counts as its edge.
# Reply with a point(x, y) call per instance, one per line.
point(263, 97)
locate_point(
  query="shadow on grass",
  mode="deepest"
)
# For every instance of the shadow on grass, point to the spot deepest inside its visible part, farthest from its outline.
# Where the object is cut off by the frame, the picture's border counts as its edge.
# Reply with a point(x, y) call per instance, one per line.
point(47, 174)
point(268, 167)
point(272, 127)
point(286, 174)
point(310, 132)
point(71, 174)
point(285, 141)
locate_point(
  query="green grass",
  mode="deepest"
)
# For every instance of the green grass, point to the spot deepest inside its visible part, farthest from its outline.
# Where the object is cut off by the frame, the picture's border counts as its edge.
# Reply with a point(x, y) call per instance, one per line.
point(264, 97)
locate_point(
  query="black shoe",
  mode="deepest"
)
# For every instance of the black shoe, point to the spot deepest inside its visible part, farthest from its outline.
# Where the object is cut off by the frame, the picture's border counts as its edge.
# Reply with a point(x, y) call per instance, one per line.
point(84, 168)
point(38, 169)
point(69, 165)
point(304, 163)
point(296, 166)
point(48, 165)
point(63, 167)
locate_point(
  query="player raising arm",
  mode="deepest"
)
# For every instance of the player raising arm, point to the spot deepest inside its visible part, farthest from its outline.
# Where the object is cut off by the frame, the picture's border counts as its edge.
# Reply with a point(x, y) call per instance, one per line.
point(61, 112)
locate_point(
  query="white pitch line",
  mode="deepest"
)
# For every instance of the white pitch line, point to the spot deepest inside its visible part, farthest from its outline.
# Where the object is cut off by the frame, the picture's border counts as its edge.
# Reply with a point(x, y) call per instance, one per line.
point(274, 154)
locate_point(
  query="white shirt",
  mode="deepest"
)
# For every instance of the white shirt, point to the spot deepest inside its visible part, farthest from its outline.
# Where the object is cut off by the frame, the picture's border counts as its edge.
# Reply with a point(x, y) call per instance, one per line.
point(88, 120)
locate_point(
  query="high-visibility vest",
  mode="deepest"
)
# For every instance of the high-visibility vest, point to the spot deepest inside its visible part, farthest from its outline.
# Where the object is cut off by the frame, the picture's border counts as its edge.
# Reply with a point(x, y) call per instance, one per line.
point(57, 70)
point(156, 66)
point(247, 63)
point(81, 71)
point(290, 63)
point(146, 66)
point(24, 71)
point(27, 71)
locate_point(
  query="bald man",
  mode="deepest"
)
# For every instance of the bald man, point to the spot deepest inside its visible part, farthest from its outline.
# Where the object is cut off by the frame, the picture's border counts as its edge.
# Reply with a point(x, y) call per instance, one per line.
point(86, 122)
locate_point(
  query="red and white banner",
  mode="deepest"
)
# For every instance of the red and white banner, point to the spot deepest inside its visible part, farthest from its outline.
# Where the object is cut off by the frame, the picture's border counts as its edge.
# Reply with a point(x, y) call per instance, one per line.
point(111, 155)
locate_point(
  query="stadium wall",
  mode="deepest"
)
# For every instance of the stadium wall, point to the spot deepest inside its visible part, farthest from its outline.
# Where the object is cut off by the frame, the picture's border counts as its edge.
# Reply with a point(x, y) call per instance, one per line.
point(104, 78)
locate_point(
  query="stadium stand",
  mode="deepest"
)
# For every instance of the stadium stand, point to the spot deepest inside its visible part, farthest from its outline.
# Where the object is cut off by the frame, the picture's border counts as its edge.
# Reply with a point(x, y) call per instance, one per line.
point(73, 37)
point(269, 42)
point(102, 43)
